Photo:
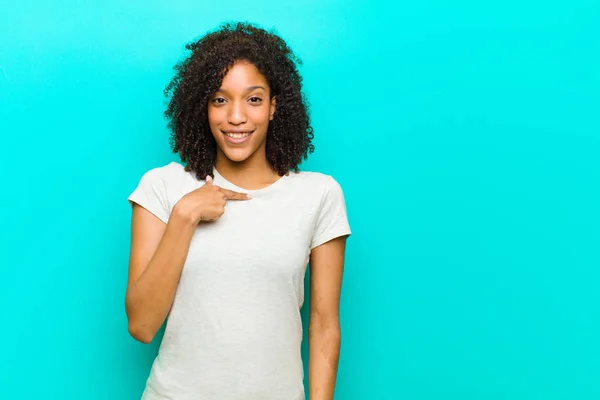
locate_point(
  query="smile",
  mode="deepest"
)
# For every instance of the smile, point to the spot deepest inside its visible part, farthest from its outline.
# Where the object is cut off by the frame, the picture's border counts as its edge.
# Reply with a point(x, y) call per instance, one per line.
point(237, 137)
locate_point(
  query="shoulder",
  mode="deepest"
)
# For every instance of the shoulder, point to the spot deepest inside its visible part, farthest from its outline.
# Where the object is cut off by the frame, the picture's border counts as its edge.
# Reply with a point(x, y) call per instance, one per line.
point(172, 172)
point(164, 184)
point(167, 170)
point(317, 180)
point(170, 180)
point(317, 185)
point(330, 218)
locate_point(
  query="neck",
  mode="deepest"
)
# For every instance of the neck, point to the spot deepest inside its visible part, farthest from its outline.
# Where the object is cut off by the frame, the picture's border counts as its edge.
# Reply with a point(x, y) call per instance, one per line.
point(251, 174)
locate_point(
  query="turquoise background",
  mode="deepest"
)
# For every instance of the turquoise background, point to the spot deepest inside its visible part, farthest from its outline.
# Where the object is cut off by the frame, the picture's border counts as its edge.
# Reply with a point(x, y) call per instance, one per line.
point(464, 133)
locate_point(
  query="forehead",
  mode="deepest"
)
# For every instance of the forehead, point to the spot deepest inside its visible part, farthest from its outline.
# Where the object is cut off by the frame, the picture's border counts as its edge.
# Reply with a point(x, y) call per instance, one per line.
point(243, 74)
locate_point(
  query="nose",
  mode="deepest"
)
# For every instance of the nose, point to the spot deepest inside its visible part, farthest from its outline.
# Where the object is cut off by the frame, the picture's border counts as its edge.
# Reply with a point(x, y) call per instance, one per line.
point(237, 113)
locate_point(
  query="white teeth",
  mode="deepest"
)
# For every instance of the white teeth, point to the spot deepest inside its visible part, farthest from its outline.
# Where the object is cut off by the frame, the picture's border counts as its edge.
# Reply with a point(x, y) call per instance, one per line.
point(237, 135)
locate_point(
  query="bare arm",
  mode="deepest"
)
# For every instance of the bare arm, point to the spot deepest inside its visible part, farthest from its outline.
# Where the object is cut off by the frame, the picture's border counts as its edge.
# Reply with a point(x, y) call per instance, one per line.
point(158, 254)
point(327, 262)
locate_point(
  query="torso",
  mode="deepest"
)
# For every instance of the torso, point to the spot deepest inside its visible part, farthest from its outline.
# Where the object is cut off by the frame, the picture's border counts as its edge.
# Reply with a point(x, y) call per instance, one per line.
point(234, 331)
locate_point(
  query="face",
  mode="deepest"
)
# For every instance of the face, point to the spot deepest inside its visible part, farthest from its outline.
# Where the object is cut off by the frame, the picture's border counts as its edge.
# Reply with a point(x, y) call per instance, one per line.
point(239, 113)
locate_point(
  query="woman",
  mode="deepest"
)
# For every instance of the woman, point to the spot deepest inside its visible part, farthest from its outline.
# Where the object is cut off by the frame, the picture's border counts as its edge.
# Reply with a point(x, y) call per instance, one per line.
point(221, 245)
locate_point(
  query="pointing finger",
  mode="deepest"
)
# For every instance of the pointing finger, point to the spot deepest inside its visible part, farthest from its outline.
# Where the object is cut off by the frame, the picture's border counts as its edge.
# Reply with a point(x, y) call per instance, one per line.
point(231, 195)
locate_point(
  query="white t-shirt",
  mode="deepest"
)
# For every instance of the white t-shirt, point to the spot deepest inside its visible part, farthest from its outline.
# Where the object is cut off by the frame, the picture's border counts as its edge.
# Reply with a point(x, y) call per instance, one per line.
point(234, 331)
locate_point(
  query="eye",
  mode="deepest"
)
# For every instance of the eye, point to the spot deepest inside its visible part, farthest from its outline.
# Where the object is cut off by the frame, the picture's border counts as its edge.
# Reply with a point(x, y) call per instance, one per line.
point(255, 99)
point(218, 100)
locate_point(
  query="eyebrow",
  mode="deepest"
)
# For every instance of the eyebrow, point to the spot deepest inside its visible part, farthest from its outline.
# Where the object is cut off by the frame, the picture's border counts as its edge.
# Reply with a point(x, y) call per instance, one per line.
point(248, 89)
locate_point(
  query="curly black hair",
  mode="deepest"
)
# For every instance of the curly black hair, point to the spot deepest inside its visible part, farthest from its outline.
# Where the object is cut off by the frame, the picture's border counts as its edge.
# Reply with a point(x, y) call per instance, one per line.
point(289, 135)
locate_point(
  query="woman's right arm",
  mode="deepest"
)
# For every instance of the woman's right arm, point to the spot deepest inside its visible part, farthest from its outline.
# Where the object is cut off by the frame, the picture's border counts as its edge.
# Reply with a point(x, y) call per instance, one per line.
point(158, 253)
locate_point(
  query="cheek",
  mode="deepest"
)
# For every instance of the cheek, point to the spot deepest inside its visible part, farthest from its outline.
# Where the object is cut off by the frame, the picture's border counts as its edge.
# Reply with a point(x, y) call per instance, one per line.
point(214, 121)
point(213, 116)
point(261, 115)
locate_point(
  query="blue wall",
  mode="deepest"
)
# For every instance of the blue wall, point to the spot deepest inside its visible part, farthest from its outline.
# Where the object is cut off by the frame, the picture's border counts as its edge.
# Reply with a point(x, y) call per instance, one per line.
point(466, 137)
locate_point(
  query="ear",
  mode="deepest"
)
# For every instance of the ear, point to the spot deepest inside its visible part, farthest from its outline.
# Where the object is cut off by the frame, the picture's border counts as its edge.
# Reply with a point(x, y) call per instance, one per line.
point(272, 108)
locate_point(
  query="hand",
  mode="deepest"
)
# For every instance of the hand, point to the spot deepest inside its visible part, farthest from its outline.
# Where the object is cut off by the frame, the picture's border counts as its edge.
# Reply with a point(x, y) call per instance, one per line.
point(207, 203)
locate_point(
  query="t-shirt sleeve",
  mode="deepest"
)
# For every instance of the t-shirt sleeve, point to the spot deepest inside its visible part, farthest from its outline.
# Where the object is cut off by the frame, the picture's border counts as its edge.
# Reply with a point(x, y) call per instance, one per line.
point(151, 194)
point(332, 218)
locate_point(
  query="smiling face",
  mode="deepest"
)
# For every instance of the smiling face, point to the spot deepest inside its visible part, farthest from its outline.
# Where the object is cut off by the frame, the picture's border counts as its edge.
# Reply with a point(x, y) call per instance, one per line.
point(239, 114)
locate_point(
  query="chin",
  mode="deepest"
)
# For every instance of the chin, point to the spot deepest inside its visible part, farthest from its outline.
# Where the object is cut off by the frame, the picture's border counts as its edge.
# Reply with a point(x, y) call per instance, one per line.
point(238, 155)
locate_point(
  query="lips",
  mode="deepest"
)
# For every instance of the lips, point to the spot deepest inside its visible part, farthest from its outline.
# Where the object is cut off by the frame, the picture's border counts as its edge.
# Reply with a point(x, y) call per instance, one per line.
point(237, 137)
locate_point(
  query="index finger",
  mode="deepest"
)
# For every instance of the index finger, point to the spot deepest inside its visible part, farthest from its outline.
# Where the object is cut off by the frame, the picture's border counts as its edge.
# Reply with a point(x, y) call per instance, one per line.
point(231, 195)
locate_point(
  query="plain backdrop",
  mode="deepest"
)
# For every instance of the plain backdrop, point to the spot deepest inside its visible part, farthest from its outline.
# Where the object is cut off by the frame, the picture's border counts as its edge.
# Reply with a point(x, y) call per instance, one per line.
point(465, 135)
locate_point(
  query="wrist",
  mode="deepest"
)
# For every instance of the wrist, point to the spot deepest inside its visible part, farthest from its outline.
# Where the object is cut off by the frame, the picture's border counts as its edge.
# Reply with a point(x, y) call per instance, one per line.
point(185, 214)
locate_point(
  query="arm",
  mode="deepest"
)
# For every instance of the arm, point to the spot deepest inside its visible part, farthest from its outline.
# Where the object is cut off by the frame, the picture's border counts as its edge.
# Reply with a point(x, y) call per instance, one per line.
point(324, 333)
point(158, 253)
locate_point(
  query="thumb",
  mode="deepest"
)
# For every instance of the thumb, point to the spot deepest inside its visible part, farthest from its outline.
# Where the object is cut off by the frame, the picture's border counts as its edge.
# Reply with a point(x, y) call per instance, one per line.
point(209, 180)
